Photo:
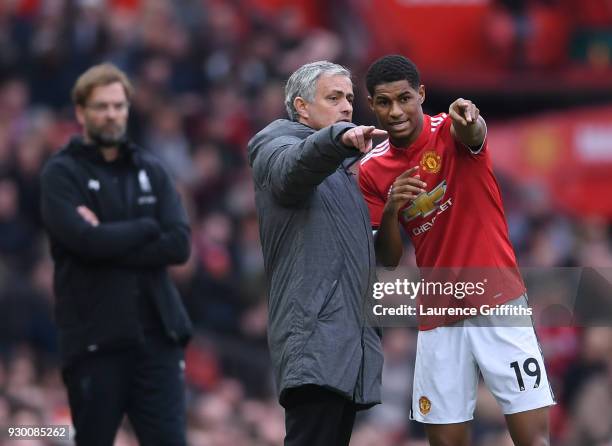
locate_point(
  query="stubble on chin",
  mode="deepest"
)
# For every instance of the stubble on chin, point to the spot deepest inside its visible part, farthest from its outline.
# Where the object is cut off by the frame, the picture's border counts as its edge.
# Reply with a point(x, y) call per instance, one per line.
point(106, 139)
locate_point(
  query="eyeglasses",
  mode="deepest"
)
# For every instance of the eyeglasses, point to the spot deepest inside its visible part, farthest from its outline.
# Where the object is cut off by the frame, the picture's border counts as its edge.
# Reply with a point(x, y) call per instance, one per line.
point(101, 107)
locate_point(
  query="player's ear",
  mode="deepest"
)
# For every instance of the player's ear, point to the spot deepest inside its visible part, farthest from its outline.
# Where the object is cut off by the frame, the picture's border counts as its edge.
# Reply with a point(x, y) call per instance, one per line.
point(371, 102)
point(301, 107)
point(421, 94)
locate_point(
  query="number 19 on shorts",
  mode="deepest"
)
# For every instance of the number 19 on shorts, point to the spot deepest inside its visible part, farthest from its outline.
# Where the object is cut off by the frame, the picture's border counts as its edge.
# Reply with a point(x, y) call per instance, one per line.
point(531, 368)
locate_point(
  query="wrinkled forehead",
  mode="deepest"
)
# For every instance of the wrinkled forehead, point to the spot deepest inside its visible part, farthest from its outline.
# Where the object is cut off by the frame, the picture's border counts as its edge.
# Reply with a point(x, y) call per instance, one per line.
point(328, 83)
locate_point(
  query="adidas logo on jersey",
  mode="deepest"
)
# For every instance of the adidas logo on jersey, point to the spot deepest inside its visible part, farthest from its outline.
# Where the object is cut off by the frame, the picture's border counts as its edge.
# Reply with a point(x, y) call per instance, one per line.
point(379, 150)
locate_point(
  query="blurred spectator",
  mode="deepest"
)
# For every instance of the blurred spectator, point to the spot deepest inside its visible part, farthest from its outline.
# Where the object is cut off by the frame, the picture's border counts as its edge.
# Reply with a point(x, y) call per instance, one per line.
point(530, 34)
point(17, 235)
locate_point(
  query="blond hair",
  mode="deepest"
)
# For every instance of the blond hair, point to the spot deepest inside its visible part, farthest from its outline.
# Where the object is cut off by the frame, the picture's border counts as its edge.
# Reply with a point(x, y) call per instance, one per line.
point(103, 74)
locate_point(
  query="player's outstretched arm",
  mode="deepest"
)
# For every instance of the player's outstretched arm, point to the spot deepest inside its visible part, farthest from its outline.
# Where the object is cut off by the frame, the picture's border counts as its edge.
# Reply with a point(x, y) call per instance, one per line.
point(388, 240)
point(468, 127)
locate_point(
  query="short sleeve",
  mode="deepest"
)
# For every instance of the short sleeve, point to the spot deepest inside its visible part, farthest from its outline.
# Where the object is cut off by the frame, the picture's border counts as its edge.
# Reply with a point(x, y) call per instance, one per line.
point(375, 202)
point(472, 150)
point(475, 150)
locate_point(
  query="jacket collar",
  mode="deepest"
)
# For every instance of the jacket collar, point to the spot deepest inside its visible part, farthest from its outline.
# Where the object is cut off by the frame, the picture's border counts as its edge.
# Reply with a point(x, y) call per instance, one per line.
point(77, 146)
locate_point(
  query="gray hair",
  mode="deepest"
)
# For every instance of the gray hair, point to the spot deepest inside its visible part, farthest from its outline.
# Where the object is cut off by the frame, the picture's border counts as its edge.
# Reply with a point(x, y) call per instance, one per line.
point(303, 82)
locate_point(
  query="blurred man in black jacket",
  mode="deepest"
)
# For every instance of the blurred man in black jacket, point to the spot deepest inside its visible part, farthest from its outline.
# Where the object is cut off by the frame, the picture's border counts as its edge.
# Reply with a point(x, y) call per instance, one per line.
point(115, 222)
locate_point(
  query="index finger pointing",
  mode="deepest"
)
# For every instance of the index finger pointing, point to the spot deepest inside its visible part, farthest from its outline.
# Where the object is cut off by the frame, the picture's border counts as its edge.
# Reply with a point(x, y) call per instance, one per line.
point(378, 132)
point(373, 131)
point(409, 172)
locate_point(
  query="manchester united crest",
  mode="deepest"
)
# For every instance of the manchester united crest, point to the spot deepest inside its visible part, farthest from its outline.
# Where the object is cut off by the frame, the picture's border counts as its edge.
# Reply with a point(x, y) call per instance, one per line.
point(430, 162)
point(424, 405)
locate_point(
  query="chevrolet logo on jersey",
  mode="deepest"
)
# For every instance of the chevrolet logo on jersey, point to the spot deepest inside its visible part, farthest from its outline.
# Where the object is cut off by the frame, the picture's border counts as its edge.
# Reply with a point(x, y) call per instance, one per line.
point(425, 204)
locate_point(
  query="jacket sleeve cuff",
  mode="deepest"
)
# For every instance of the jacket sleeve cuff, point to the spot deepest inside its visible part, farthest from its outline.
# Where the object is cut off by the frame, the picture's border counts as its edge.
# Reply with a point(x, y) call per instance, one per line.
point(337, 130)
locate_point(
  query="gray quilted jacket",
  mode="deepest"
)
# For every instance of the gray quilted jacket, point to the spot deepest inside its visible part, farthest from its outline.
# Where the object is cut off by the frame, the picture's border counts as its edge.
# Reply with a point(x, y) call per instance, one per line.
point(319, 259)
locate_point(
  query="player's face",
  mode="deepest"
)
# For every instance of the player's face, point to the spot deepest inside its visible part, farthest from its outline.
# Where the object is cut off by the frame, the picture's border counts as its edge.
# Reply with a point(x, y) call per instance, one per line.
point(333, 102)
point(104, 116)
point(398, 108)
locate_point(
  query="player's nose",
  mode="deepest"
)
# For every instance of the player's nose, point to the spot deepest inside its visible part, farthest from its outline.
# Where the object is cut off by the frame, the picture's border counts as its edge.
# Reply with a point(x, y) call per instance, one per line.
point(396, 111)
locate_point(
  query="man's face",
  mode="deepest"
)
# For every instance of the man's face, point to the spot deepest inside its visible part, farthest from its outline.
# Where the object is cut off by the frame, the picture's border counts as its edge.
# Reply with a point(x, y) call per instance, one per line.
point(398, 109)
point(104, 116)
point(333, 102)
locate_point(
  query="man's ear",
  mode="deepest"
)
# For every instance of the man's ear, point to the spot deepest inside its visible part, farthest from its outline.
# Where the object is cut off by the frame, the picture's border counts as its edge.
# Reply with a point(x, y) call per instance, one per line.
point(80, 115)
point(421, 94)
point(301, 106)
point(371, 102)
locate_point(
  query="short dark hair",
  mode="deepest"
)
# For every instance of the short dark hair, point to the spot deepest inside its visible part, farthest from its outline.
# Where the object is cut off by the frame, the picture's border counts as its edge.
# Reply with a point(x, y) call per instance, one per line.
point(390, 69)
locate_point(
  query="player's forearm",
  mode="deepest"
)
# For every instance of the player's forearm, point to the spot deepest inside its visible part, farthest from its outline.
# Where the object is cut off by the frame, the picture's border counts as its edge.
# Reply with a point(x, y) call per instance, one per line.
point(388, 240)
point(471, 134)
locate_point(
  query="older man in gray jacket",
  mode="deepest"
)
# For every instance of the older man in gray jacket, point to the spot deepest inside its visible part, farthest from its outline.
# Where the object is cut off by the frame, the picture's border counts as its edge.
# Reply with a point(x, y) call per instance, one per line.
point(319, 258)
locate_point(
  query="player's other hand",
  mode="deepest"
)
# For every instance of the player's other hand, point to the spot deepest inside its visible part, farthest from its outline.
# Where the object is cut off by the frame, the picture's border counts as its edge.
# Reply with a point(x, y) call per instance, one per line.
point(404, 189)
point(88, 215)
point(463, 112)
point(361, 137)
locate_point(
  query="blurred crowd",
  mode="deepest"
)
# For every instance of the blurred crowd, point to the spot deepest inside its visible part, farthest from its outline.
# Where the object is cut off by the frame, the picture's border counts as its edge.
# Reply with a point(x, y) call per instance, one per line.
point(545, 34)
point(208, 75)
point(529, 34)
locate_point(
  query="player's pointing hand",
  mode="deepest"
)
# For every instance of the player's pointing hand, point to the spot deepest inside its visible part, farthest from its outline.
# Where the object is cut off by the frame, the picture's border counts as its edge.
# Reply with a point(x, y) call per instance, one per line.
point(361, 137)
point(463, 112)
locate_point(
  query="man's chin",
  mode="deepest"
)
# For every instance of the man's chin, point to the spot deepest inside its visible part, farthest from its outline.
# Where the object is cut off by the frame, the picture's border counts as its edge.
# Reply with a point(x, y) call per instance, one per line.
point(105, 141)
point(403, 134)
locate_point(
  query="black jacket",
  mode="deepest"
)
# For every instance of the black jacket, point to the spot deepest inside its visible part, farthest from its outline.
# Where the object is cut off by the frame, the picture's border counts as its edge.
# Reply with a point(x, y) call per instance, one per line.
point(319, 258)
point(101, 271)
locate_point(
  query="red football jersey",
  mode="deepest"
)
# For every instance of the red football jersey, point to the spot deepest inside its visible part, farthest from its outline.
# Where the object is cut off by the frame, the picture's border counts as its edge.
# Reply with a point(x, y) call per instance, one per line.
point(459, 221)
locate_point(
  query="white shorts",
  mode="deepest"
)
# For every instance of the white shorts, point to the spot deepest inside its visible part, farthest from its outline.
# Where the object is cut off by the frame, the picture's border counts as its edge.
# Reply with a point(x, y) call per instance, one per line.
point(449, 358)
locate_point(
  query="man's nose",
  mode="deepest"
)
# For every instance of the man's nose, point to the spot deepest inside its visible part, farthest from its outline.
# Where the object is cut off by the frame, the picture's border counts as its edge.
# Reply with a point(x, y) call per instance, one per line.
point(396, 110)
point(111, 112)
point(347, 107)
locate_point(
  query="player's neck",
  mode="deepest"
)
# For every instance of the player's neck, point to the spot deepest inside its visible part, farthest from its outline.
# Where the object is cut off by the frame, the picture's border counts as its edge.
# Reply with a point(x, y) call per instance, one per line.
point(404, 143)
